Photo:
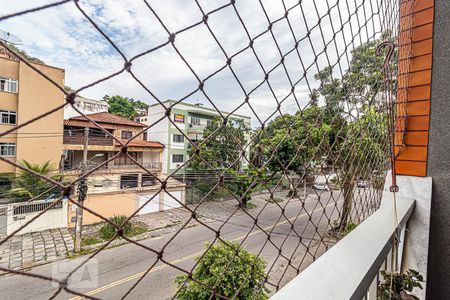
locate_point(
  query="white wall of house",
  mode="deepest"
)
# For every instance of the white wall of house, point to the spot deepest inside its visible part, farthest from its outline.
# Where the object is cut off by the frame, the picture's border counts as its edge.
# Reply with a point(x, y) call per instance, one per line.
point(161, 201)
point(175, 165)
point(173, 200)
point(159, 131)
point(179, 126)
point(86, 106)
point(52, 218)
point(148, 203)
point(150, 157)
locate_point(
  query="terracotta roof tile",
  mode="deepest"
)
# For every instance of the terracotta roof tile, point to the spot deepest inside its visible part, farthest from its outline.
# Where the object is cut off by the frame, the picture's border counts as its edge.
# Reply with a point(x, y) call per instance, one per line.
point(108, 118)
point(76, 123)
point(140, 143)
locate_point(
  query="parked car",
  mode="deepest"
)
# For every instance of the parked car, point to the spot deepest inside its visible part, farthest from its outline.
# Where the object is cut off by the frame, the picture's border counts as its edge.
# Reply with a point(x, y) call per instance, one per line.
point(362, 184)
point(321, 186)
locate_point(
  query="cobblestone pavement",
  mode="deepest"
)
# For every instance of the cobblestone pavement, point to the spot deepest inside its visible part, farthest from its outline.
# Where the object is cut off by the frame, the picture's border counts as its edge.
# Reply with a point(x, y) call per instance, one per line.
point(31, 249)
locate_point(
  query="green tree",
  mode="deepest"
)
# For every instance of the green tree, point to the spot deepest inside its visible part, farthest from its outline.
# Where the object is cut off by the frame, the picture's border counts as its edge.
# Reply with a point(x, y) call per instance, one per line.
point(359, 131)
point(5, 183)
point(25, 185)
point(124, 106)
point(229, 272)
point(349, 129)
point(361, 151)
point(289, 142)
point(243, 183)
point(221, 146)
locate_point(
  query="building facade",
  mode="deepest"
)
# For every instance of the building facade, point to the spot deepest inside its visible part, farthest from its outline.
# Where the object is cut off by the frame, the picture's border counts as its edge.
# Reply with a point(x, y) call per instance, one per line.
point(86, 106)
point(24, 95)
point(119, 187)
point(191, 119)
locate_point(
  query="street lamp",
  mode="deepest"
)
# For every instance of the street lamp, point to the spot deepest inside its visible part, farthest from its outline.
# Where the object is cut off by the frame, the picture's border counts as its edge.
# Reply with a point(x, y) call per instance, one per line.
point(86, 164)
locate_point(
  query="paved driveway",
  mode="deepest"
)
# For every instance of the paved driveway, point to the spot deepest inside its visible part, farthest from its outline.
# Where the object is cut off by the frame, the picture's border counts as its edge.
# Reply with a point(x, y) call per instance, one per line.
point(31, 249)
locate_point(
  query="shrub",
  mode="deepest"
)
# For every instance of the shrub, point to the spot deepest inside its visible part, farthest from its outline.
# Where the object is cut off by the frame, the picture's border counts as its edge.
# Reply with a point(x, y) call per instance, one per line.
point(275, 200)
point(397, 286)
point(228, 272)
point(292, 193)
point(350, 226)
point(107, 231)
point(90, 240)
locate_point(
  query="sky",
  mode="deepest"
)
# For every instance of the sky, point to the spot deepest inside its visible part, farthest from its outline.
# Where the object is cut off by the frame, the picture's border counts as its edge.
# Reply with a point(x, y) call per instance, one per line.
point(62, 36)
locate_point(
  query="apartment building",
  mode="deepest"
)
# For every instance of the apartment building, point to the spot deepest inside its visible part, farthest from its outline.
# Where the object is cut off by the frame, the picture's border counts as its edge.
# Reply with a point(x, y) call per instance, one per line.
point(24, 95)
point(86, 106)
point(121, 186)
point(191, 119)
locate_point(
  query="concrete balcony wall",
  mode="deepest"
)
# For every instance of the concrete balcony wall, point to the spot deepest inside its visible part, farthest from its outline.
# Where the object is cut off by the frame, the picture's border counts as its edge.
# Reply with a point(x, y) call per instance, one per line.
point(349, 270)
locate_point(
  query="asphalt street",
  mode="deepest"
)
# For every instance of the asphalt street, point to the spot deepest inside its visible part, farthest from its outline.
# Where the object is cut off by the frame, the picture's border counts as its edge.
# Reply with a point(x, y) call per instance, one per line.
point(113, 273)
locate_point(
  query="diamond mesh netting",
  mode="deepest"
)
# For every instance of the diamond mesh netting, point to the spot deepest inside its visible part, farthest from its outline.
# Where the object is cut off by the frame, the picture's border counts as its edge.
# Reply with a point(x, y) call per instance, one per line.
point(268, 195)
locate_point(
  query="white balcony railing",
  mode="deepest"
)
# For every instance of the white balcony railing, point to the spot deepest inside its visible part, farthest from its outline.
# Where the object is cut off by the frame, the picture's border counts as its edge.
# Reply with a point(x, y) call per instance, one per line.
point(147, 165)
point(350, 269)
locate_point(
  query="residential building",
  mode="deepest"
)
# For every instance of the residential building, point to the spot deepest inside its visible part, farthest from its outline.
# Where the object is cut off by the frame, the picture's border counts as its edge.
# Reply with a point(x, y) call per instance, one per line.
point(120, 186)
point(191, 119)
point(24, 95)
point(86, 106)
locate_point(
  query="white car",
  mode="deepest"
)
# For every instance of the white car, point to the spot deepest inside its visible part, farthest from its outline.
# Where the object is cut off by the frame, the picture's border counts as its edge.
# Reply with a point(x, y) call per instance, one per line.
point(321, 186)
point(361, 184)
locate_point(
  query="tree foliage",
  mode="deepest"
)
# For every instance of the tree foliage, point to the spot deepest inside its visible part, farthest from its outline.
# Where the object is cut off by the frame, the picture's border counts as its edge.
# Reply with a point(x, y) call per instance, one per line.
point(298, 139)
point(359, 130)
point(359, 154)
point(124, 106)
point(243, 183)
point(221, 146)
point(228, 272)
point(344, 122)
point(25, 185)
point(26, 55)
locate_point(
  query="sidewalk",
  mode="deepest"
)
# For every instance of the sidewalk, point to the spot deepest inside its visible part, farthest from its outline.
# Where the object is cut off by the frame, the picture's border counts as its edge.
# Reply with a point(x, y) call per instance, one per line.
point(31, 249)
point(208, 211)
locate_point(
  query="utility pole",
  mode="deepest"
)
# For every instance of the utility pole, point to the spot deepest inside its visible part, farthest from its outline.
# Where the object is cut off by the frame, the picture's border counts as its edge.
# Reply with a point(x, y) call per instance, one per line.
point(82, 191)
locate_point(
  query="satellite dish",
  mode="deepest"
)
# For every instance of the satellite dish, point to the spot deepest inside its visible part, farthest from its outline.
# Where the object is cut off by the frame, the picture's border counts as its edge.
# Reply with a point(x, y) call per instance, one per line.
point(9, 38)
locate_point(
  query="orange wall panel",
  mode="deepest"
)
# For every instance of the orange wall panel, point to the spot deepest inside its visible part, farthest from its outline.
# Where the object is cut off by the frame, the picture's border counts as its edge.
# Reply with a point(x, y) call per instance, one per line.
point(414, 81)
point(413, 168)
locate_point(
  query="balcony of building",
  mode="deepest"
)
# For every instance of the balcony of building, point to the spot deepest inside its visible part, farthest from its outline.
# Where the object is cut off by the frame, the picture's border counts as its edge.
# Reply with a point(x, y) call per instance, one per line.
point(110, 162)
point(393, 239)
point(96, 137)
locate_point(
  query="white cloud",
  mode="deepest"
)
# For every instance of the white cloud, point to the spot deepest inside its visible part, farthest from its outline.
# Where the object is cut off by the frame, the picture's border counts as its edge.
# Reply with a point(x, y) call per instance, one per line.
point(63, 37)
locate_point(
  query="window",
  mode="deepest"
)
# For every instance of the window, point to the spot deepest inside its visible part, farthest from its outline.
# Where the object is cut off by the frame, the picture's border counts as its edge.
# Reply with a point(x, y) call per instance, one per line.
point(126, 135)
point(177, 158)
point(7, 117)
point(208, 122)
point(148, 180)
point(8, 85)
point(178, 138)
point(7, 149)
point(145, 136)
point(178, 118)
point(195, 120)
point(129, 181)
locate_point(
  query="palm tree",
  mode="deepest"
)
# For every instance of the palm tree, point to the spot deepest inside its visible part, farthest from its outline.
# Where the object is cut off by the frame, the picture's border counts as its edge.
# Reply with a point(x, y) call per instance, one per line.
point(26, 186)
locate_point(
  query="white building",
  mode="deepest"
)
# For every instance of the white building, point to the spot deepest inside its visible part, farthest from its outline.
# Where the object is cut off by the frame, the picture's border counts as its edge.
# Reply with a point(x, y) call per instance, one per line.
point(191, 119)
point(86, 106)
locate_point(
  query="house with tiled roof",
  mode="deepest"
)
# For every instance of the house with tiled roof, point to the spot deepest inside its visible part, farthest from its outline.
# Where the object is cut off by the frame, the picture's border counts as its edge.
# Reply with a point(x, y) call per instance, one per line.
point(121, 182)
